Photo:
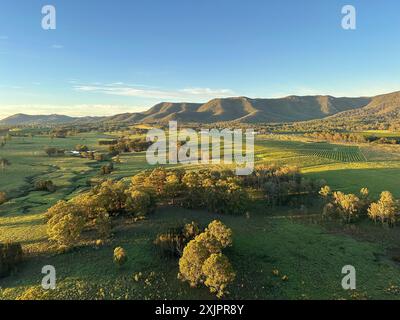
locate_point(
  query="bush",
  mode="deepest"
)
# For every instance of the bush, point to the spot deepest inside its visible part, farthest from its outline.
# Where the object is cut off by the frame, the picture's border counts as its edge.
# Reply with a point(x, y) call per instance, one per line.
point(120, 256)
point(50, 151)
point(45, 185)
point(99, 157)
point(107, 169)
point(325, 192)
point(81, 148)
point(10, 256)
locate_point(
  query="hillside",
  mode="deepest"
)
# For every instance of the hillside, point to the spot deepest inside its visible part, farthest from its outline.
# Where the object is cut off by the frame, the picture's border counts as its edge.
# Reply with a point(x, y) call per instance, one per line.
point(246, 110)
point(382, 107)
point(243, 109)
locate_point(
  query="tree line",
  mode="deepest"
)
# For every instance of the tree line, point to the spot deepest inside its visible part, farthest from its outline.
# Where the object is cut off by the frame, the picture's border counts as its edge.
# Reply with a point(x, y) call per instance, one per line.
point(351, 207)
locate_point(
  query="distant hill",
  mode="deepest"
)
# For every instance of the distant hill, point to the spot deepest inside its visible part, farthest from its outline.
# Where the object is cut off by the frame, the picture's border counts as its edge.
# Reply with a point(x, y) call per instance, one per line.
point(21, 119)
point(243, 109)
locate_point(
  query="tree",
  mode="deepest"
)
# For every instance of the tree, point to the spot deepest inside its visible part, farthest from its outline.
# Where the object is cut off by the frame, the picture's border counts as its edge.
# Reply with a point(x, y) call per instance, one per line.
point(218, 273)
point(384, 210)
point(89, 206)
point(111, 196)
point(173, 186)
point(65, 229)
point(220, 232)
point(365, 201)
point(374, 211)
point(364, 193)
point(325, 192)
point(347, 205)
point(157, 179)
point(65, 223)
point(192, 260)
point(103, 225)
point(139, 202)
point(203, 262)
point(120, 256)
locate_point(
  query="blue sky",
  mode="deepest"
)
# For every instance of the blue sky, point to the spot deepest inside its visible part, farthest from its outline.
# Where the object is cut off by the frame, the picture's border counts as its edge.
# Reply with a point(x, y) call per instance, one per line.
point(108, 57)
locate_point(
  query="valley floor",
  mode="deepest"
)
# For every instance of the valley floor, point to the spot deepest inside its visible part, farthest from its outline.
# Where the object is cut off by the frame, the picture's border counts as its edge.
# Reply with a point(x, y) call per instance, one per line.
point(310, 252)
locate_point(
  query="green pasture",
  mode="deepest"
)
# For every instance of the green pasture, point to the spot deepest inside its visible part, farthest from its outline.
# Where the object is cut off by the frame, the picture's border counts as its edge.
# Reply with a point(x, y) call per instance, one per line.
point(307, 250)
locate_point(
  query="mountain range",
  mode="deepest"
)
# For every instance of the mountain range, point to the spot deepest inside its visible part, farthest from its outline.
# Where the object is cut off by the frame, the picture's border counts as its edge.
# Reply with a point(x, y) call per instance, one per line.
point(240, 109)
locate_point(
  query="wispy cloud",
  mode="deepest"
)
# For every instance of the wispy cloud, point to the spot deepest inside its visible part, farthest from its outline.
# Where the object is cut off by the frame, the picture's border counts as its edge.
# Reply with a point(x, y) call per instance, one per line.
point(186, 94)
point(57, 46)
point(12, 87)
point(3, 37)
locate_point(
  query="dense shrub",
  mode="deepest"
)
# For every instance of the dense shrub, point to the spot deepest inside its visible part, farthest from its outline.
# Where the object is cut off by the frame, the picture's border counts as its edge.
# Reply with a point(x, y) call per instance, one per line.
point(10, 256)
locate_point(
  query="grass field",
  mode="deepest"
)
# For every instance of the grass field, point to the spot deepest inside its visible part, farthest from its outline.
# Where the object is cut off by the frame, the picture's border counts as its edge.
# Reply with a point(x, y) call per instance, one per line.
point(309, 256)
point(308, 251)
